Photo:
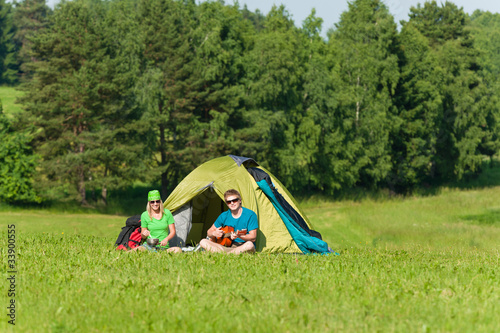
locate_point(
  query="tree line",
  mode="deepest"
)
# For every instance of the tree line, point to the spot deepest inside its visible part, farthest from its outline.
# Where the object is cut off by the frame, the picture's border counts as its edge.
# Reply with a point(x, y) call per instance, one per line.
point(122, 91)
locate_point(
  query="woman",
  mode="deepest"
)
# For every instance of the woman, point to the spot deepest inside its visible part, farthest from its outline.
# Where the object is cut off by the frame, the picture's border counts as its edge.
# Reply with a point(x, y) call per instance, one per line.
point(157, 222)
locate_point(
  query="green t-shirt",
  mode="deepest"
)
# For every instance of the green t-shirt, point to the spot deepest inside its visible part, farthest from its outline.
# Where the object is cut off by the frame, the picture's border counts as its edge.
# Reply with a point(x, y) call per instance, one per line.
point(158, 228)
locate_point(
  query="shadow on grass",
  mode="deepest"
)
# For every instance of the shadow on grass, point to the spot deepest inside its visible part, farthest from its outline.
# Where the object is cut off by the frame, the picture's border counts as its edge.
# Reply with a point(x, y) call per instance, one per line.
point(490, 217)
point(489, 177)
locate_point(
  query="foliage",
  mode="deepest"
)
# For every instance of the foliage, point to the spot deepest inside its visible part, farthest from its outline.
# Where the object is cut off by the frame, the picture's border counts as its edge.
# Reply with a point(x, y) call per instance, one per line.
point(17, 164)
point(190, 89)
point(8, 62)
point(419, 108)
point(465, 99)
point(485, 28)
point(275, 68)
point(121, 91)
point(30, 17)
point(365, 77)
point(83, 123)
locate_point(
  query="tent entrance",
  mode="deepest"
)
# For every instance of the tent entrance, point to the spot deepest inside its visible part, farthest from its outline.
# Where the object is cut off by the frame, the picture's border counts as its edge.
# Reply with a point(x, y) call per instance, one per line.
point(194, 218)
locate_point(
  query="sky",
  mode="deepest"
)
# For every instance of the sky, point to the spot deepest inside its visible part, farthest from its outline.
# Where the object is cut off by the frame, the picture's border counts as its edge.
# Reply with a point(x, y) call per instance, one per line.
point(330, 10)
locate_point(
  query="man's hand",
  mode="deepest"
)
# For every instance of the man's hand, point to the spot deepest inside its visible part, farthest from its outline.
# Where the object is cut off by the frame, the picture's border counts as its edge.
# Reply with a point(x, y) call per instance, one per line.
point(218, 232)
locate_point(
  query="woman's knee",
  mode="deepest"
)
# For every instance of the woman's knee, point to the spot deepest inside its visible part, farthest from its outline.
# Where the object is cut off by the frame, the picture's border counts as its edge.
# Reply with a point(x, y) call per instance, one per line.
point(175, 249)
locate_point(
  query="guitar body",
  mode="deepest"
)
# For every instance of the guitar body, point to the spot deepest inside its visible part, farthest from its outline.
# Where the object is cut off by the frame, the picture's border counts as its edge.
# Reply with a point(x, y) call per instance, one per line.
point(225, 240)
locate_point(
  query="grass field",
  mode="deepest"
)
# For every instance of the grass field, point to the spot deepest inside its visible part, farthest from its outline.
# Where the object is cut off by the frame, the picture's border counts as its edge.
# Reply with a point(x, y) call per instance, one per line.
point(428, 264)
point(8, 96)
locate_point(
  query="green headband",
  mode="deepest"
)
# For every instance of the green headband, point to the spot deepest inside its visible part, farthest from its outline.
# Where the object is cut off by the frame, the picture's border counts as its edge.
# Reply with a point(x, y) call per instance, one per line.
point(154, 195)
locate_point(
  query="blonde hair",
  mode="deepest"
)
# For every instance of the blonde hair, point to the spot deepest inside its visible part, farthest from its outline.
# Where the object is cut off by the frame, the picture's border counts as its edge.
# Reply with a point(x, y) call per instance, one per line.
point(150, 210)
point(232, 192)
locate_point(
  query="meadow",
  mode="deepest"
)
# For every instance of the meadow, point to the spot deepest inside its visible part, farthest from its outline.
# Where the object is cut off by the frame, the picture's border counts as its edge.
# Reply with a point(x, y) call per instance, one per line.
point(420, 264)
point(8, 96)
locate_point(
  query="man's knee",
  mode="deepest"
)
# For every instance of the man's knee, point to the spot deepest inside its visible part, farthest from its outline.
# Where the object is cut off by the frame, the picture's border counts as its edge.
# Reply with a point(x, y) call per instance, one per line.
point(206, 244)
point(249, 246)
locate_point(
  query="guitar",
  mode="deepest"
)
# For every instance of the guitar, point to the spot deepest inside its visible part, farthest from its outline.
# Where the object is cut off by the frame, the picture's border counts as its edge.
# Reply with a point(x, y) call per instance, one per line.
point(225, 239)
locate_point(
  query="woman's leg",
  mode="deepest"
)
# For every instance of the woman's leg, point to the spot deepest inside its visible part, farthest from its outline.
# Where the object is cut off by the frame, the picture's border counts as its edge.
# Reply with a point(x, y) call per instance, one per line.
point(174, 249)
point(139, 248)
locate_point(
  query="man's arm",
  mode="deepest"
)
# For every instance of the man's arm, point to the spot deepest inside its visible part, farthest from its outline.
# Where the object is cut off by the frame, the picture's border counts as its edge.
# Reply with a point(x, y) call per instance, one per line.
point(251, 236)
point(214, 232)
point(252, 225)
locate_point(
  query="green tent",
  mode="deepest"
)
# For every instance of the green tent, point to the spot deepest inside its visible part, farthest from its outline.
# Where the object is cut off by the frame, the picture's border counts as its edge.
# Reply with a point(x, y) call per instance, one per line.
point(198, 200)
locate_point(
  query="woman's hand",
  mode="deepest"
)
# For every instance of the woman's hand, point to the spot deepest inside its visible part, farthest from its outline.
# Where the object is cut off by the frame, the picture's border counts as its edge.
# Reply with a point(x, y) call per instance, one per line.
point(145, 233)
point(164, 242)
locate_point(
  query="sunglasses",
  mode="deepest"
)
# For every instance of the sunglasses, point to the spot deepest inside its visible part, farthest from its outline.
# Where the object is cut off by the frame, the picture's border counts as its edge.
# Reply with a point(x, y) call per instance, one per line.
point(155, 202)
point(232, 201)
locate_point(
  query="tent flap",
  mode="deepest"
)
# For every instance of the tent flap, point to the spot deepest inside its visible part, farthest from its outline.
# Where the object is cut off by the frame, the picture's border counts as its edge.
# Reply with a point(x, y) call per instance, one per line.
point(258, 175)
point(305, 242)
point(247, 161)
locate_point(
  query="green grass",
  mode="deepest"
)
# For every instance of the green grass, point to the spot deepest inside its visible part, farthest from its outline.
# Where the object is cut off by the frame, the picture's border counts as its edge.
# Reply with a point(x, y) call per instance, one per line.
point(8, 96)
point(422, 264)
point(455, 218)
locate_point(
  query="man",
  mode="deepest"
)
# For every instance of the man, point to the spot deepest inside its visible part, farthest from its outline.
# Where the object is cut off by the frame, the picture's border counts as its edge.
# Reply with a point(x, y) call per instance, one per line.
point(243, 220)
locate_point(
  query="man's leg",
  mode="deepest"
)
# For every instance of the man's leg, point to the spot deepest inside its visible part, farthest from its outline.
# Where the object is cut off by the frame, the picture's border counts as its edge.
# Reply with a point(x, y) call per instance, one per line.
point(210, 246)
point(248, 247)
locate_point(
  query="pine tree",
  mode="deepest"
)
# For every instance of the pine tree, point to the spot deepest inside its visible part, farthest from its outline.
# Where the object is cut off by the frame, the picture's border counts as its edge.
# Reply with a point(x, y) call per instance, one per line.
point(485, 28)
point(419, 108)
point(30, 17)
point(219, 37)
point(8, 62)
point(366, 74)
point(164, 88)
point(313, 168)
point(17, 164)
point(191, 87)
point(464, 97)
point(83, 127)
point(275, 67)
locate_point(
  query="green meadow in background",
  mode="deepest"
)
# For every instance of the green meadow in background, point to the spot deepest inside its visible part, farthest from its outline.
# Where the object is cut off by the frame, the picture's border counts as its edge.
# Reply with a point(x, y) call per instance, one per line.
point(8, 96)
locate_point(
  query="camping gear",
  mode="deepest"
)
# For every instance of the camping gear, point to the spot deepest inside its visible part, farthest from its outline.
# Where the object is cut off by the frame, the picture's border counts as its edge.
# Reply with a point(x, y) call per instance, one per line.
point(152, 241)
point(198, 200)
point(130, 235)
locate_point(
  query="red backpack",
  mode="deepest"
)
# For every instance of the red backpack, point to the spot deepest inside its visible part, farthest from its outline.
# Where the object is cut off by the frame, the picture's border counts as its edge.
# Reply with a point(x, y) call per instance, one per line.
point(130, 236)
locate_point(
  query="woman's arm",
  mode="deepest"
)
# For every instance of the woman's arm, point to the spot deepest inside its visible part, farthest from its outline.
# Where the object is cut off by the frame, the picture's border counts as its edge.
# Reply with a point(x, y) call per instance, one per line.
point(171, 234)
point(145, 232)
